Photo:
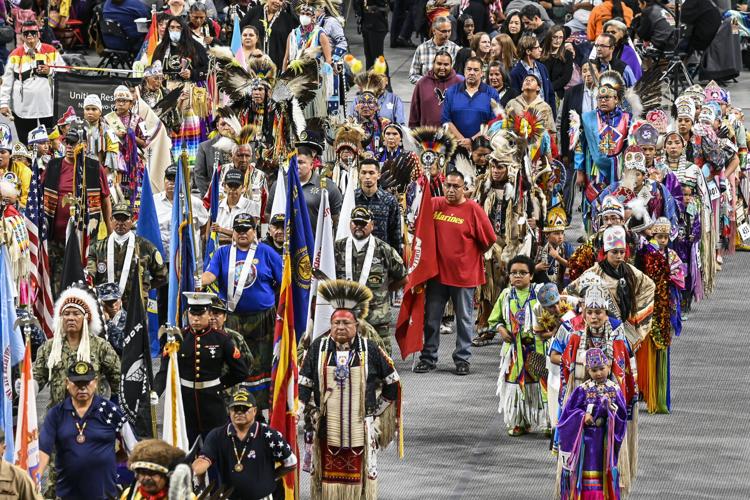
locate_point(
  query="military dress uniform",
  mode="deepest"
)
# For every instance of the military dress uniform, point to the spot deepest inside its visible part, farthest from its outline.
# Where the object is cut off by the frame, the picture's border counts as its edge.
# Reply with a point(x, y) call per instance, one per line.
point(387, 267)
point(201, 357)
point(154, 273)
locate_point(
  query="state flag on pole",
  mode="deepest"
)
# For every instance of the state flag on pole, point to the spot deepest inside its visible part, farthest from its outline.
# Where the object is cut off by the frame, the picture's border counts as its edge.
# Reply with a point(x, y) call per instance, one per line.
point(422, 267)
point(174, 430)
point(27, 428)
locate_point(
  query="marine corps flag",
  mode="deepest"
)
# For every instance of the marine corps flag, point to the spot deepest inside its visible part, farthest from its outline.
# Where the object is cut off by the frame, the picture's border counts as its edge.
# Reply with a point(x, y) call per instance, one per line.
point(422, 267)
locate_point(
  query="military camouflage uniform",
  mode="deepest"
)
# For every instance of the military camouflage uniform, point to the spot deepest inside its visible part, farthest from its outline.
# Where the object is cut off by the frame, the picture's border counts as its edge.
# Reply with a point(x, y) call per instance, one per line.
point(245, 352)
point(387, 267)
point(154, 273)
point(103, 358)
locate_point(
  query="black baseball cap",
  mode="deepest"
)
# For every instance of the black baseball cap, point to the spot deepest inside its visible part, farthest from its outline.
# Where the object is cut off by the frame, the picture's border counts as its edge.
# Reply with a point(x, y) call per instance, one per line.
point(277, 220)
point(242, 398)
point(234, 177)
point(81, 371)
point(243, 221)
point(362, 214)
point(171, 171)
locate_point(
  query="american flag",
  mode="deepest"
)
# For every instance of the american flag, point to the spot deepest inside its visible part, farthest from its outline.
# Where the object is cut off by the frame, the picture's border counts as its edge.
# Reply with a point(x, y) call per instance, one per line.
point(36, 222)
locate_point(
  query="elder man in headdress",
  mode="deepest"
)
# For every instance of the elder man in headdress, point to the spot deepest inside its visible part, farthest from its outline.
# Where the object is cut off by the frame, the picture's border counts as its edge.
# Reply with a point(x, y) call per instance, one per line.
point(343, 367)
point(77, 327)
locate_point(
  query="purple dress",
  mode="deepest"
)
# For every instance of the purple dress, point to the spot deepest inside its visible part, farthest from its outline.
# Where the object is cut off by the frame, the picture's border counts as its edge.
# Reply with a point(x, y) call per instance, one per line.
point(589, 453)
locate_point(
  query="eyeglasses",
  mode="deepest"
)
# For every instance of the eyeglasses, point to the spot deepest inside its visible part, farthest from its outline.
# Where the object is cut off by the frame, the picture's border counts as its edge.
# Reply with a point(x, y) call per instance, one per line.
point(240, 409)
point(449, 186)
point(600, 46)
point(30, 33)
point(445, 32)
point(518, 273)
point(605, 97)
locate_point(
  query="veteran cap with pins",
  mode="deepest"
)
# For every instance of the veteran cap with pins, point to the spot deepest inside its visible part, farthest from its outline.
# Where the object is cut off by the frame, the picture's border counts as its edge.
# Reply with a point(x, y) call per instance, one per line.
point(242, 398)
point(361, 214)
point(81, 371)
point(122, 208)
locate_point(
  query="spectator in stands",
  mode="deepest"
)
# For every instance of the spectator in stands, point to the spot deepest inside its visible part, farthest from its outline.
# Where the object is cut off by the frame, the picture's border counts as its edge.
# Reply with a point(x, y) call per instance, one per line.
point(124, 12)
point(530, 51)
point(503, 50)
point(605, 60)
point(181, 57)
point(533, 23)
point(429, 92)
point(468, 104)
point(424, 56)
point(657, 25)
point(161, 21)
point(608, 9)
point(498, 79)
point(624, 49)
point(557, 57)
point(249, 41)
point(274, 21)
point(513, 27)
point(465, 31)
point(26, 91)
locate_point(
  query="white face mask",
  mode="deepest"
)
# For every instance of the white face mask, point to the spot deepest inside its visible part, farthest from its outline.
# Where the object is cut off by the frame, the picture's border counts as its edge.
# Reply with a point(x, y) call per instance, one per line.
point(175, 36)
point(305, 20)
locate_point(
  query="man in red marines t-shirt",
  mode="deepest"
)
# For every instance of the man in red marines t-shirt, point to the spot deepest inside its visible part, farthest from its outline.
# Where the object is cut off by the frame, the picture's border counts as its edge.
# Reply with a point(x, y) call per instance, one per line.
point(463, 233)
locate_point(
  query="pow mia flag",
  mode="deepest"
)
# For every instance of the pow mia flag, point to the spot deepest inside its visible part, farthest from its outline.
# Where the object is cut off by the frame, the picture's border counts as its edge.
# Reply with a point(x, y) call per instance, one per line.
point(136, 378)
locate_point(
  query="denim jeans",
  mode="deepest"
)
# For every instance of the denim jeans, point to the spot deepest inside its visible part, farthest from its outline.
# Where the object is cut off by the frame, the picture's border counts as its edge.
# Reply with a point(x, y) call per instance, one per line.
point(435, 301)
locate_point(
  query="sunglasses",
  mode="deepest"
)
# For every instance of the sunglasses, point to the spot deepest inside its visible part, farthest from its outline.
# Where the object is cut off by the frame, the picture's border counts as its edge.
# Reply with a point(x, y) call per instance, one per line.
point(241, 409)
point(30, 33)
point(242, 229)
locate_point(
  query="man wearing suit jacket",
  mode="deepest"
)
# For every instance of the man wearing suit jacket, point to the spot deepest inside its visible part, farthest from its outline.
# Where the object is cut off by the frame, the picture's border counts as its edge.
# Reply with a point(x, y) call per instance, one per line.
point(579, 98)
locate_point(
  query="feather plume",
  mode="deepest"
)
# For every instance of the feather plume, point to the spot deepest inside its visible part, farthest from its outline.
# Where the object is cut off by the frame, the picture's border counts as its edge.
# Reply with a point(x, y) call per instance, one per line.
point(236, 82)
point(469, 171)
point(222, 53)
point(168, 102)
point(234, 123)
point(299, 81)
point(298, 118)
point(370, 81)
point(433, 138)
point(497, 108)
point(344, 294)
point(225, 144)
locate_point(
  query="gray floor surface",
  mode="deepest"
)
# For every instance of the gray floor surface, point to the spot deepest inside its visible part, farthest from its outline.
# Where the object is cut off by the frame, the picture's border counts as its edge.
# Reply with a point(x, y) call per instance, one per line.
point(455, 441)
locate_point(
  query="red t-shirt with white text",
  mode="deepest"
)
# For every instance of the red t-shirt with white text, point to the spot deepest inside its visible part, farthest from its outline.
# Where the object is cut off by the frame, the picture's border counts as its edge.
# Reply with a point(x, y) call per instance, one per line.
point(462, 232)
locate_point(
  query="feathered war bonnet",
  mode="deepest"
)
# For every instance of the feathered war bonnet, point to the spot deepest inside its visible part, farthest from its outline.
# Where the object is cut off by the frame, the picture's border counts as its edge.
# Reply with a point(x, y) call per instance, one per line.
point(345, 295)
point(435, 145)
point(264, 70)
point(81, 300)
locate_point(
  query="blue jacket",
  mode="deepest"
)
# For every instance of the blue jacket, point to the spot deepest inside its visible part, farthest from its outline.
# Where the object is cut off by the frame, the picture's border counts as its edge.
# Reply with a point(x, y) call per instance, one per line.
point(468, 113)
point(518, 74)
point(126, 13)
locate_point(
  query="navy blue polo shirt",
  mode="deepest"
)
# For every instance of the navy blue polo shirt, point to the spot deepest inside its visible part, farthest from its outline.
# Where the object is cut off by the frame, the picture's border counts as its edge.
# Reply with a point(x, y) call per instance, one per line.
point(259, 452)
point(468, 113)
point(88, 469)
point(260, 292)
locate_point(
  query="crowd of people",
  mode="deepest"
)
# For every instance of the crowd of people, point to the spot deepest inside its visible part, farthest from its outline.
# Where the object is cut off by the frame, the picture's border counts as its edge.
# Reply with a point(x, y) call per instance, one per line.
point(523, 115)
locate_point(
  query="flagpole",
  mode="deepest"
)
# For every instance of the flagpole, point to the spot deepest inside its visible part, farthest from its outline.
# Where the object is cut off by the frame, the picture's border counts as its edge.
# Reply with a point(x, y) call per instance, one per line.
point(153, 398)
